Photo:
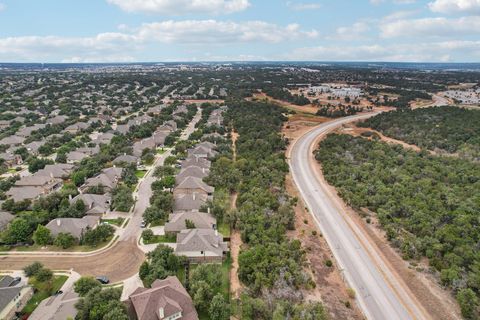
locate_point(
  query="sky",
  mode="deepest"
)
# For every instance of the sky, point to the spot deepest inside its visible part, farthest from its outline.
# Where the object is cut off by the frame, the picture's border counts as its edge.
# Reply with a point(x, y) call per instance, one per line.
point(239, 30)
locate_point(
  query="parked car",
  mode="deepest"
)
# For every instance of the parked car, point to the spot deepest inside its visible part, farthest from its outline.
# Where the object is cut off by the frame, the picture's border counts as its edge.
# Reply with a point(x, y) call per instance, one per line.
point(143, 224)
point(102, 279)
point(15, 281)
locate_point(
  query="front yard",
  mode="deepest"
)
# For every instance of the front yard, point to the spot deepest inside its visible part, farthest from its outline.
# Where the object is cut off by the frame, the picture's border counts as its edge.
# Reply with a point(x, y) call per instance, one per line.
point(43, 291)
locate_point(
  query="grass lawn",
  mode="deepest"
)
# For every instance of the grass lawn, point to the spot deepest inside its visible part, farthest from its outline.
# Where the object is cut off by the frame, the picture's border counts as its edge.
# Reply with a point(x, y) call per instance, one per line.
point(44, 290)
point(162, 239)
point(161, 151)
point(76, 248)
point(224, 229)
point(117, 222)
point(140, 173)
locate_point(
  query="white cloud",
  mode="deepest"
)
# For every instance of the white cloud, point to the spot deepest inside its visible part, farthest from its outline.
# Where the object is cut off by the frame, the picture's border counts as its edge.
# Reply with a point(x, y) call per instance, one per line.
point(219, 32)
point(455, 6)
point(353, 32)
point(413, 52)
point(431, 27)
point(176, 7)
point(111, 46)
point(302, 6)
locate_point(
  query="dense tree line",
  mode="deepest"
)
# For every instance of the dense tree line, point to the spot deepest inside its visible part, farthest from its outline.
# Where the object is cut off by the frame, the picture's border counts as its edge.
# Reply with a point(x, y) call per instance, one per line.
point(285, 95)
point(331, 111)
point(428, 205)
point(450, 129)
point(270, 265)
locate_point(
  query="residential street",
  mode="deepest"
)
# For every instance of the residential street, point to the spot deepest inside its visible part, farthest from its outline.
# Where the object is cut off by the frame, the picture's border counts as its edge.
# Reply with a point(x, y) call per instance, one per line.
point(380, 294)
point(118, 262)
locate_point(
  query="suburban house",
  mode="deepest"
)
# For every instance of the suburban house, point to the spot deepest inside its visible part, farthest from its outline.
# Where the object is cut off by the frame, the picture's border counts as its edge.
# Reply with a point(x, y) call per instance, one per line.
point(76, 127)
point(75, 157)
point(192, 171)
point(11, 160)
point(13, 298)
point(193, 185)
point(59, 170)
point(122, 128)
point(202, 151)
point(32, 187)
point(108, 178)
point(201, 245)
point(159, 137)
point(33, 146)
point(96, 204)
point(192, 201)
point(167, 299)
point(139, 120)
point(125, 158)
point(196, 162)
point(75, 226)
point(57, 120)
point(89, 151)
point(156, 110)
point(139, 146)
point(103, 138)
point(201, 220)
point(12, 140)
point(27, 131)
point(5, 124)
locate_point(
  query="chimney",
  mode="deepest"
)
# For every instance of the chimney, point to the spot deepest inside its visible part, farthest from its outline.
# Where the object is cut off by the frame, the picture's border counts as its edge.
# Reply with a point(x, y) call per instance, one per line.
point(203, 170)
point(51, 175)
point(70, 197)
point(124, 153)
point(194, 196)
point(216, 233)
point(208, 209)
point(161, 313)
point(59, 222)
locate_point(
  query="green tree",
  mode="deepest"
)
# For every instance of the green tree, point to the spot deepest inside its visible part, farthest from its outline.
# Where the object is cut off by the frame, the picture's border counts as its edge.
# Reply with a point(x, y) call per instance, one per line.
point(84, 285)
point(44, 275)
point(219, 308)
point(42, 236)
point(18, 230)
point(147, 235)
point(469, 304)
point(64, 240)
point(32, 269)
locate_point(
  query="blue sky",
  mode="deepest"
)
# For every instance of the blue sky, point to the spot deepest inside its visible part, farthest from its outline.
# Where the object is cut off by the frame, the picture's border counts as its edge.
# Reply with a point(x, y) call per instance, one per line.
point(226, 30)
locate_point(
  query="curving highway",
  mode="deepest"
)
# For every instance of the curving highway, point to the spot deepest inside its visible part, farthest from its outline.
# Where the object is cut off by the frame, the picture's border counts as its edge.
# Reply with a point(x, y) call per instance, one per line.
point(379, 293)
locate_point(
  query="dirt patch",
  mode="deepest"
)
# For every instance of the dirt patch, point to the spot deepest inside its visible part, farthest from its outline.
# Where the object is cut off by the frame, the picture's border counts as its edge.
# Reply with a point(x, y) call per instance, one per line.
point(303, 109)
point(118, 263)
point(205, 101)
point(330, 288)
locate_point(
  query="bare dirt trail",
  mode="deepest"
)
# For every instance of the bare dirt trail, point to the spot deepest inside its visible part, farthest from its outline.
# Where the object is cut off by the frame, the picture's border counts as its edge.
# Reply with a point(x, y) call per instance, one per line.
point(235, 238)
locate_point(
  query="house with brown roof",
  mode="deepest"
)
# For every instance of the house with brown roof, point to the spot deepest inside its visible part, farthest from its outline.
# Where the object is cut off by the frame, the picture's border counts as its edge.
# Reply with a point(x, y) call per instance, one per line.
point(196, 162)
point(108, 178)
point(32, 187)
point(166, 300)
point(191, 171)
point(201, 245)
point(186, 202)
point(76, 127)
point(58, 170)
point(96, 204)
point(11, 160)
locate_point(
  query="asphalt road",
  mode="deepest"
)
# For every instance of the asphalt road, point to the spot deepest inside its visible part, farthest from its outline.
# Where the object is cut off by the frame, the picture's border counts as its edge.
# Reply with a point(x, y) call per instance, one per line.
point(379, 293)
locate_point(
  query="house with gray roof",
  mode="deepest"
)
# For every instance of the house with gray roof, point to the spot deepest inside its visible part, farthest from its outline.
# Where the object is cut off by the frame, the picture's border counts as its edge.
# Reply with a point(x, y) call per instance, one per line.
point(139, 146)
point(58, 170)
point(12, 298)
point(103, 138)
point(201, 220)
point(12, 140)
point(186, 202)
point(75, 157)
point(196, 162)
point(76, 127)
point(191, 185)
point(33, 146)
point(10, 159)
point(191, 171)
point(166, 299)
point(24, 193)
point(57, 120)
point(201, 245)
point(74, 226)
point(125, 158)
point(96, 204)
point(108, 179)
point(27, 131)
